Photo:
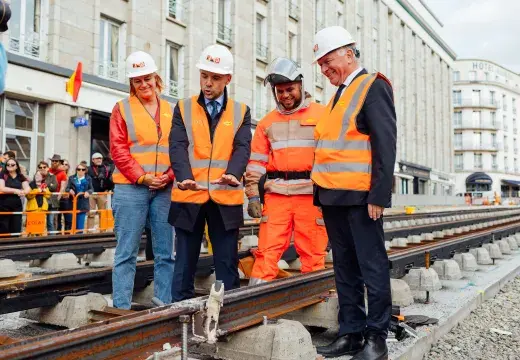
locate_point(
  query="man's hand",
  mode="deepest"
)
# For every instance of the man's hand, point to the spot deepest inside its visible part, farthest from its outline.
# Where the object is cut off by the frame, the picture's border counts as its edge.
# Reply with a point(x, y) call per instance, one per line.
point(254, 208)
point(86, 195)
point(150, 180)
point(189, 184)
point(227, 179)
point(375, 211)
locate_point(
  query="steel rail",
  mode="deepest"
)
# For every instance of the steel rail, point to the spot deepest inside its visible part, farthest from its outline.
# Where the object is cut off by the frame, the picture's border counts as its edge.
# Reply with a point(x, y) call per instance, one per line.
point(138, 335)
point(27, 249)
point(23, 294)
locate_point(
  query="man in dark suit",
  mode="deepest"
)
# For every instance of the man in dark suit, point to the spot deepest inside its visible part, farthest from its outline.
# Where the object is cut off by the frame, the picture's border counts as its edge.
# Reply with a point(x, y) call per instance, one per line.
point(210, 145)
point(353, 186)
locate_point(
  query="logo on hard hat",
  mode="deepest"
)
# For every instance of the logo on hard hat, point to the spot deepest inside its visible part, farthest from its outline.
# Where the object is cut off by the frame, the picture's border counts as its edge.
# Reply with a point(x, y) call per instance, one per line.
point(210, 58)
point(138, 65)
point(315, 47)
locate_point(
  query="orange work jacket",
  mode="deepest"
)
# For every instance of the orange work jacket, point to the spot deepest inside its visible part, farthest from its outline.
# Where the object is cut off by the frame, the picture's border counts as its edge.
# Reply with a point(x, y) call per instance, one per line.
point(283, 143)
point(208, 160)
point(150, 151)
point(343, 156)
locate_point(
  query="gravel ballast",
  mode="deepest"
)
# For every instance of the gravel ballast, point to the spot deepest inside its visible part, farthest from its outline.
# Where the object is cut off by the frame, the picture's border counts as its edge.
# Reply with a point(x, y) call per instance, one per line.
point(491, 332)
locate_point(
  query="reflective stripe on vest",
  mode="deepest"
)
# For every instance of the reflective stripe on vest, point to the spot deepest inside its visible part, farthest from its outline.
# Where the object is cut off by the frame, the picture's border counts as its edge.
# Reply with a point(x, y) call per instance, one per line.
point(208, 160)
point(150, 151)
point(343, 156)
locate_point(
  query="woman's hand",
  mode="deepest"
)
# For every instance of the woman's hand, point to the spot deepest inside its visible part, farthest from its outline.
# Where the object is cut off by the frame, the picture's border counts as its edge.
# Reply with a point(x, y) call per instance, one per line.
point(71, 192)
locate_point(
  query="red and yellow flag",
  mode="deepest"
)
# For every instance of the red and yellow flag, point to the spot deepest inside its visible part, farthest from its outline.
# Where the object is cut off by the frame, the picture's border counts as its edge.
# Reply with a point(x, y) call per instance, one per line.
point(74, 83)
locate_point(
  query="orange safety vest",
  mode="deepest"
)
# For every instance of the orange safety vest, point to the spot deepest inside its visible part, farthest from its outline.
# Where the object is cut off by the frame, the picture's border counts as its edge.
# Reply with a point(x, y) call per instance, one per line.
point(208, 160)
point(150, 151)
point(343, 157)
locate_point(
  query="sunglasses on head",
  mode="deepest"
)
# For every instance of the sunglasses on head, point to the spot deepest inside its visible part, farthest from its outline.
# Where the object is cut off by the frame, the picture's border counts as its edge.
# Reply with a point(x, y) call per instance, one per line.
point(81, 169)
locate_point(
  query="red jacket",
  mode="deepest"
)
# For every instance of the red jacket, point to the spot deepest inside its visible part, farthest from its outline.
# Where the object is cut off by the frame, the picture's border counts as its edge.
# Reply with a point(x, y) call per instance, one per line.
point(120, 151)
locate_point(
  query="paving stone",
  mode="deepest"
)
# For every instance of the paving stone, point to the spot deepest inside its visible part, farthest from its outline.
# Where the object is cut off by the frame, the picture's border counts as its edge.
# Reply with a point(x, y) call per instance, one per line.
point(401, 293)
point(423, 279)
point(482, 256)
point(447, 269)
point(71, 312)
point(8, 269)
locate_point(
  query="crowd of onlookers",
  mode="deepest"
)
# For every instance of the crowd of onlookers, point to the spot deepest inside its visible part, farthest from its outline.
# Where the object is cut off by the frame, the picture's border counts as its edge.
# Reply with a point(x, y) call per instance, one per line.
point(52, 188)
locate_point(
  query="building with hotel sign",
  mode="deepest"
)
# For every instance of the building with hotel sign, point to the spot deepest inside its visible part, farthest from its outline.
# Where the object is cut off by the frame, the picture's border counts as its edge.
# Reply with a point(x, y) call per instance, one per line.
point(486, 108)
point(46, 39)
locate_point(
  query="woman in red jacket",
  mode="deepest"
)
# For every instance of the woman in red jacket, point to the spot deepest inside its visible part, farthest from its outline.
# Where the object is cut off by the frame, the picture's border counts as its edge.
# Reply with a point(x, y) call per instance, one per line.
point(139, 129)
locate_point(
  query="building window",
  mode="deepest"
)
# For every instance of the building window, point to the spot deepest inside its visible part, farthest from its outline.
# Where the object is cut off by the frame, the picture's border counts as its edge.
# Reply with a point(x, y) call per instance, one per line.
point(457, 97)
point(477, 161)
point(259, 100)
point(294, 10)
point(293, 47)
point(476, 97)
point(458, 140)
point(494, 163)
point(506, 164)
point(457, 118)
point(261, 37)
point(110, 50)
point(175, 9)
point(456, 75)
point(173, 70)
point(493, 116)
point(492, 99)
point(25, 28)
point(494, 141)
point(477, 119)
point(404, 186)
point(504, 104)
point(477, 137)
point(513, 105)
point(320, 15)
point(486, 76)
point(224, 21)
point(472, 75)
point(458, 162)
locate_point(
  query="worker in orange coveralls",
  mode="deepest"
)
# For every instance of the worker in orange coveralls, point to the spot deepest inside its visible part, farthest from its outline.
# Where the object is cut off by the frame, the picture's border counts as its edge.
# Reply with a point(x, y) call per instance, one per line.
point(282, 153)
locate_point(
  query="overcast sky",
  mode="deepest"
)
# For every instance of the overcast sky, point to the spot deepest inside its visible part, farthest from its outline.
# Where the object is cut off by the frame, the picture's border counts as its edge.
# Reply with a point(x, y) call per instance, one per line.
point(486, 29)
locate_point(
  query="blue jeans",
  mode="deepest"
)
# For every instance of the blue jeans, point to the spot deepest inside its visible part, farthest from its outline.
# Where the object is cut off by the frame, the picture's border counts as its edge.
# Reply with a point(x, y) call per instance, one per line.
point(80, 221)
point(133, 206)
point(50, 222)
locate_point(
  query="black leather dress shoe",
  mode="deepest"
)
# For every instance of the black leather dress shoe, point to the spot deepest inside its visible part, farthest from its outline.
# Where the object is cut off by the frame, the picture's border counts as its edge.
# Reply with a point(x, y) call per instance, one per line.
point(348, 344)
point(375, 349)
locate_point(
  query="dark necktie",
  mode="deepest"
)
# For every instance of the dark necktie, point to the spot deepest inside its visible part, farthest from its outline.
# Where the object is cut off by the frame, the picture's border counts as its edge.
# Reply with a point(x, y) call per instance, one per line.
point(214, 109)
point(338, 94)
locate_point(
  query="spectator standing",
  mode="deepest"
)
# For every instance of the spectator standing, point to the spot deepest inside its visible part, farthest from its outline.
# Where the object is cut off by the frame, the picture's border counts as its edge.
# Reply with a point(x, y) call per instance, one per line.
point(37, 199)
point(102, 182)
point(51, 184)
point(14, 186)
point(59, 202)
point(80, 182)
point(12, 155)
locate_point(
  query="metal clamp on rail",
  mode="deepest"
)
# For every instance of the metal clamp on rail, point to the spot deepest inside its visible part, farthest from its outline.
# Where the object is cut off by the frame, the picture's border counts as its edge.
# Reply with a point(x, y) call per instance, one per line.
point(213, 305)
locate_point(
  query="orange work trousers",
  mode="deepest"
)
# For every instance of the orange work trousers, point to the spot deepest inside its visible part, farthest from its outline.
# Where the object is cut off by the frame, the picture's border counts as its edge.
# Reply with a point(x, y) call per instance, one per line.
point(281, 215)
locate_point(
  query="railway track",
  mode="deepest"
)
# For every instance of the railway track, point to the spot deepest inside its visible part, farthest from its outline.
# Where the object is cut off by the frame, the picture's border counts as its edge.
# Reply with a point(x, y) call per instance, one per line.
point(46, 290)
point(30, 248)
point(138, 335)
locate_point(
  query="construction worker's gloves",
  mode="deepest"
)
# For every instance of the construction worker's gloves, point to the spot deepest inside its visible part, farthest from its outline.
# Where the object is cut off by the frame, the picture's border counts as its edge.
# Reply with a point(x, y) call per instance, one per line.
point(254, 208)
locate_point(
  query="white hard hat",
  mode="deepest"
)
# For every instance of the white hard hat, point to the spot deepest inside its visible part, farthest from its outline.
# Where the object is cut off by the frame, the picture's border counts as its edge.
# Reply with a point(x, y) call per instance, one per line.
point(216, 59)
point(139, 63)
point(280, 71)
point(330, 38)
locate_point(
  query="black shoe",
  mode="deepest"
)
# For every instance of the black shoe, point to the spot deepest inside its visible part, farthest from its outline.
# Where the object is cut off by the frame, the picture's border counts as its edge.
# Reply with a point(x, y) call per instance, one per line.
point(348, 344)
point(375, 349)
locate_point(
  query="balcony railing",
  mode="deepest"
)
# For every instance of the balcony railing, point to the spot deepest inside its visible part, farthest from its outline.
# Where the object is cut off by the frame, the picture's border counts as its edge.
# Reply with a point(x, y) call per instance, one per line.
point(294, 11)
point(111, 70)
point(469, 146)
point(172, 89)
point(26, 45)
point(459, 166)
point(479, 166)
point(261, 51)
point(224, 33)
point(482, 103)
point(485, 125)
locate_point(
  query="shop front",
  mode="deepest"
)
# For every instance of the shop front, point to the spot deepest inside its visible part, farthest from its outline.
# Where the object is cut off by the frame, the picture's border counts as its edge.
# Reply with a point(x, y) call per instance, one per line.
point(417, 177)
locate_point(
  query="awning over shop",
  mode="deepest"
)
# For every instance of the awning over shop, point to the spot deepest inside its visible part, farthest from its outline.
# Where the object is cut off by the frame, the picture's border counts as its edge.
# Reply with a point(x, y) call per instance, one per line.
point(479, 178)
point(511, 182)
